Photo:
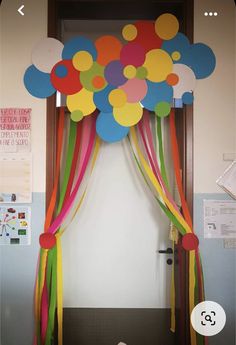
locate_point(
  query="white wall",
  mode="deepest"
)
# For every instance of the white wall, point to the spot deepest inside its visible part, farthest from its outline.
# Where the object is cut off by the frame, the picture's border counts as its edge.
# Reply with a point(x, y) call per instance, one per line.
point(214, 105)
point(18, 35)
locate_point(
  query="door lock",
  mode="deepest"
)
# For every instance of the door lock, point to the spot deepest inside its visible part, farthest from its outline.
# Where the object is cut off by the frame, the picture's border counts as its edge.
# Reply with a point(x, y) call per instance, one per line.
point(167, 251)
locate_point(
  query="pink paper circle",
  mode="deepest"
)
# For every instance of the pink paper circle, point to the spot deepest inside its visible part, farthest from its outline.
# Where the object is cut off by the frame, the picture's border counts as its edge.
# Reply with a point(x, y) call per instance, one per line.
point(132, 54)
point(135, 89)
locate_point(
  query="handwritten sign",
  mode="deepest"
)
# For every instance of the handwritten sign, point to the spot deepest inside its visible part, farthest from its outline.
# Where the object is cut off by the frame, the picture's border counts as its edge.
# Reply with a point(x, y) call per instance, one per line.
point(15, 130)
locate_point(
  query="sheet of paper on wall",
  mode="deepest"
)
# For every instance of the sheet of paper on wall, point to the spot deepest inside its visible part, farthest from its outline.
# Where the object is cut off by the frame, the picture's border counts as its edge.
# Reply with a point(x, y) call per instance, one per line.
point(15, 225)
point(228, 180)
point(15, 178)
point(219, 219)
point(15, 130)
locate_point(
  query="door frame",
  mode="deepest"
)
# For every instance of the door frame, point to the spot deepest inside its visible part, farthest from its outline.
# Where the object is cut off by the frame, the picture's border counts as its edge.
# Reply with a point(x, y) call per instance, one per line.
point(96, 9)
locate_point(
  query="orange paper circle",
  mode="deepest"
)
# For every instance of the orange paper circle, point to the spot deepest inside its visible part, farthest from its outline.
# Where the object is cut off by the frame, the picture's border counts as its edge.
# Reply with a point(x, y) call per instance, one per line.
point(98, 82)
point(172, 79)
point(108, 48)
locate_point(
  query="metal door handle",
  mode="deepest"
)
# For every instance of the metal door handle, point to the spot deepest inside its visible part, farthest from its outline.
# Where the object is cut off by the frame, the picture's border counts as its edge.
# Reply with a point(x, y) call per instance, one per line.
point(167, 251)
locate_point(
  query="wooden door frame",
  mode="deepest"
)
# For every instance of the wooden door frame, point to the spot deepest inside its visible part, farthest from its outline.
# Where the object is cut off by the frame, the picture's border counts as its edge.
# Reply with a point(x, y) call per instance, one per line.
point(61, 9)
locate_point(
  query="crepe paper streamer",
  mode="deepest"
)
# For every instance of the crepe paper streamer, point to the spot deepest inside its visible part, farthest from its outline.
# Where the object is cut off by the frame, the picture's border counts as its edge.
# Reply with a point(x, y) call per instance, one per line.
point(161, 151)
point(129, 32)
point(88, 78)
point(130, 72)
point(190, 242)
point(129, 114)
point(82, 61)
point(146, 35)
point(162, 109)
point(76, 115)
point(191, 295)
point(108, 48)
point(135, 89)
point(166, 26)
point(59, 292)
point(101, 100)
point(187, 80)
point(38, 83)
point(132, 54)
point(46, 53)
point(141, 72)
point(156, 184)
point(114, 73)
point(154, 58)
point(78, 44)
point(108, 129)
point(47, 241)
point(157, 92)
point(172, 79)
point(187, 98)
point(117, 98)
point(65, 78)
point(82, 100)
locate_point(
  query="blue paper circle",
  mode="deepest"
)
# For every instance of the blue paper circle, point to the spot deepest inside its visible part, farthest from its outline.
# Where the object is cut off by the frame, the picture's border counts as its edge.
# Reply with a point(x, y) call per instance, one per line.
point(179, 43)
point(201, 59)
point(157, 92)
point(108, 129)
point(61, 71)
point(38, 83)
point(187, 98)
point(101, 99)
point(77, 44)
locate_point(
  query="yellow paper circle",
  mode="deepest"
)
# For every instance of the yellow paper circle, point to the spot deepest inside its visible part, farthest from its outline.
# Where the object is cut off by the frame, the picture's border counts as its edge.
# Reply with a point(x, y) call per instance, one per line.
point(82, 100)
point(82, 61)
point(176, 56)
point(117, 98)
point(166, 26)
point(129, 72)
point(158, 64)
point(129, 32)
point(129, 114)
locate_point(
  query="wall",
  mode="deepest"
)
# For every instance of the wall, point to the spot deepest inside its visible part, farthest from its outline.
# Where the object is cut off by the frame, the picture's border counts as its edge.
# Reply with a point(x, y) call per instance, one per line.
point(17, 264)
point(214, 135)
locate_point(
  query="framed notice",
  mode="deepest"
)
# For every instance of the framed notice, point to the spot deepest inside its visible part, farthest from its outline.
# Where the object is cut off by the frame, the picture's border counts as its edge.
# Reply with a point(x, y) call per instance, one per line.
point(15, 130)
point(15, 178)
point(15, 225)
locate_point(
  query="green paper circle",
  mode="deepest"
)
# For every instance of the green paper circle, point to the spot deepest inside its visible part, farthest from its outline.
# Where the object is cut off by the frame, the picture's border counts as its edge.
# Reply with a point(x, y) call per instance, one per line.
point(86, 78)
point(141, 72)
point(162, 109)
point(76, 115)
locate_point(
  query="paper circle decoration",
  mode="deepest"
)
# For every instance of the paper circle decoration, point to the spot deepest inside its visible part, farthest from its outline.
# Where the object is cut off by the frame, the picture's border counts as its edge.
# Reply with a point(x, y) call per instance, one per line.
point(77, 44)
point(117, 98)
point(83, 101)
point(162, 109)
point(157, 92)
point(129, 114)
point(146, 35)
point(129, 32)
point(108, 129)
point(46, 54)
point(89, 78)
point(167, 26)
point(132, 54)
point(76, 115)
point(154, 58)
point(82, 61)
point(187, 98)
point(101, 99)
point(38, 83)
point(135, 89)
point(130, 72)
point(190, 242)
point(186, 82)
point(114, 73)
point(65, 78)
point(108, 48)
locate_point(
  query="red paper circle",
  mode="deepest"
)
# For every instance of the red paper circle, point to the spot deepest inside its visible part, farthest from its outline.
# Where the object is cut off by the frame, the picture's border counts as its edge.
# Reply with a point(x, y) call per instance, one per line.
point(190, 242)
point(47, 240)
point(147, 36)
point(70, 83)
point(132, 54)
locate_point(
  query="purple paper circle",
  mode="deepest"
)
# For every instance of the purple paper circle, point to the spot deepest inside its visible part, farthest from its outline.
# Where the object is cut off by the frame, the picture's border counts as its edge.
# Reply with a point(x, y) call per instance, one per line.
point(132, 54)
point(114, 73)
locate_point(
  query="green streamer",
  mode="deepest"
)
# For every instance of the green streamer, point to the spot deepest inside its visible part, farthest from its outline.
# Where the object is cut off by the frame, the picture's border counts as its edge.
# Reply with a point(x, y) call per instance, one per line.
point(161, 152)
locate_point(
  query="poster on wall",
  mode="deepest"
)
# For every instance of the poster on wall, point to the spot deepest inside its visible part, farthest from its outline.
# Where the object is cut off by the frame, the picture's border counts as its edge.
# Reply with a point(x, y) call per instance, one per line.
point(15, 178)
point(15, 130)
point(219, 219)
point(15, 225)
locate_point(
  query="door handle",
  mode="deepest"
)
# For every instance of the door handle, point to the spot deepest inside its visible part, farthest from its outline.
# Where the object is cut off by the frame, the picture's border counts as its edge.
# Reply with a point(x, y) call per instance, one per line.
point(166, 251)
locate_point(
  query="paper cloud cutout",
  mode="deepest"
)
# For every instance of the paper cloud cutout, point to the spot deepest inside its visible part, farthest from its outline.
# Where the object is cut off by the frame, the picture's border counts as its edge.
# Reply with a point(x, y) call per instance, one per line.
point(155, 68)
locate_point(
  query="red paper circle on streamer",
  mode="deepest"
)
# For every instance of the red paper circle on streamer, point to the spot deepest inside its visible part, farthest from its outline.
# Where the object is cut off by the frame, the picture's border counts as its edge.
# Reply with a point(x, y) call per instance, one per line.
point(147, 36)
point(190, 241)
point(67, 82)
point(132, 54)
point(47, 240)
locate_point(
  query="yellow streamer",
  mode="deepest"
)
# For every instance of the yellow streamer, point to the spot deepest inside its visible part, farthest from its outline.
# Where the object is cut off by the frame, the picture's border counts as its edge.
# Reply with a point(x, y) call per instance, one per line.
point(59, 291)
point(192, 283)
point(156, 184)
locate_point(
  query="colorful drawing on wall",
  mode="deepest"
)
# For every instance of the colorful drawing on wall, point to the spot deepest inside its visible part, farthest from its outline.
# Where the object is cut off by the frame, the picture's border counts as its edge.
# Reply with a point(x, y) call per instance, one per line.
point(15, 225)
point(15, 130)
point(114, 90)
point(156, 67)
